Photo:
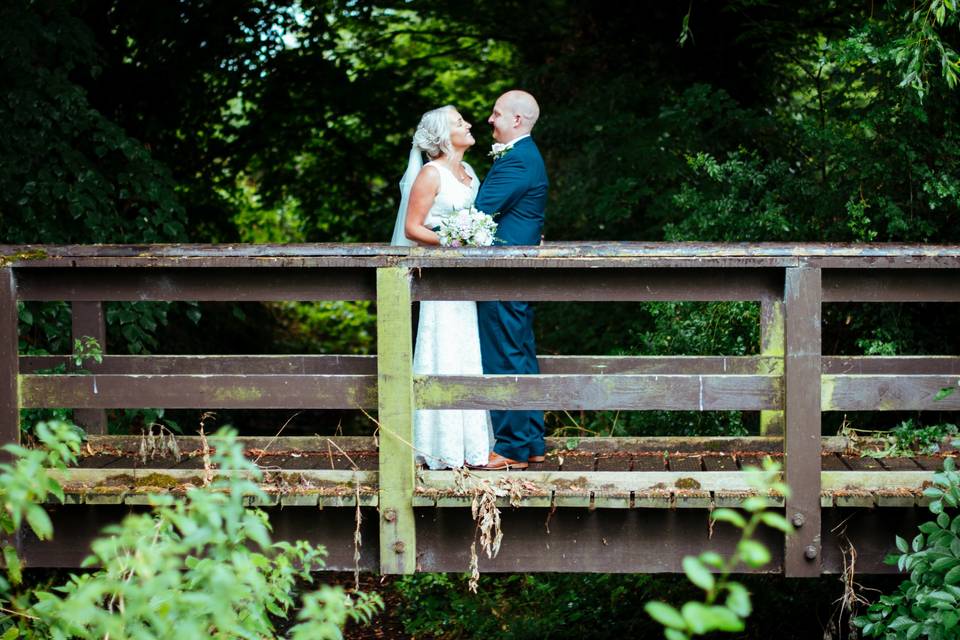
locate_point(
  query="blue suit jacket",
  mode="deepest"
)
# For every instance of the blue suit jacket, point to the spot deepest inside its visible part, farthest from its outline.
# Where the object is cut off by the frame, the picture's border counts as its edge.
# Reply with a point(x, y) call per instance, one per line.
point(515, 190)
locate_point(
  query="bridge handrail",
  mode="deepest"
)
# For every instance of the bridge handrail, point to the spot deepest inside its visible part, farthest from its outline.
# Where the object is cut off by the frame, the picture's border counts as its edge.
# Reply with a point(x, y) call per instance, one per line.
point(789, 281)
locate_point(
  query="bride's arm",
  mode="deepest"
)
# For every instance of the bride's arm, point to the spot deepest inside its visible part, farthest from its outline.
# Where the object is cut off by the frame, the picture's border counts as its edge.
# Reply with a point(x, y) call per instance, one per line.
point(422, 195)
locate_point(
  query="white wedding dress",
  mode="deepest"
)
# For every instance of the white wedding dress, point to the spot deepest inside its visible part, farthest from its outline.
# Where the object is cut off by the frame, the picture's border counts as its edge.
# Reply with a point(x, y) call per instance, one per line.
point(448, 343)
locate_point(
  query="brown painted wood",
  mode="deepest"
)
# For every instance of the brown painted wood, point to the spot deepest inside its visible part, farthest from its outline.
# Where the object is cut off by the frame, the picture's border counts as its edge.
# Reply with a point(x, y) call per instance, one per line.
point(655, 462)
point(88, 320)
point(802, 296)
point(356, 364)
point(929, 463)
point(899, 464)
point(886, 392)
point(588, 254)
point(891, 365)
point(614, 461)
point(208, 284)
point(678, 365)
point(9, 362)
point(684, 463)
point(833, 462)
point(664, 392)
point(888, 285)
point(599, 285)
point(331, 527)
point(219, 391)
point(578, 461)
point(856, 463)
point(204, 364)
point(719, 463)
point(579, 540)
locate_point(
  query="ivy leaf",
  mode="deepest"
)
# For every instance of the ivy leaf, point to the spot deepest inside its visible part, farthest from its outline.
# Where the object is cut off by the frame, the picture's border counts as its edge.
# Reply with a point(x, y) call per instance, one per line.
point(14, 566)
point(729, 515)
point(665, 615)
point(738, 599)
point(952, 576)
point(776, 521)
point(754, 554)
point(39, 521)
point(698, 573)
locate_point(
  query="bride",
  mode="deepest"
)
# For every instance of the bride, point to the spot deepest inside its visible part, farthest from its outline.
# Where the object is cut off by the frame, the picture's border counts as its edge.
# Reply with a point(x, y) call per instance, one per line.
point(448, 341)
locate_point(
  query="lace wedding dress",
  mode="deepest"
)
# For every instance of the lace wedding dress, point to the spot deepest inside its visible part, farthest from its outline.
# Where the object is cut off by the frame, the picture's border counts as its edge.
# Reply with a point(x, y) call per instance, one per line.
point(448, 343)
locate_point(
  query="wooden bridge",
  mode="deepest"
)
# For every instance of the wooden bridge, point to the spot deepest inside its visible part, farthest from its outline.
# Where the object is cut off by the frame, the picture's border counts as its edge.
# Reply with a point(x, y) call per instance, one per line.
point(611, 504)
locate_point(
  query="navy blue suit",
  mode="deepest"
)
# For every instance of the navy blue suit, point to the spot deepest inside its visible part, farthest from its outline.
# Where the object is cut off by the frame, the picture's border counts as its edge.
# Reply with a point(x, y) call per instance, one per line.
point(515, 191)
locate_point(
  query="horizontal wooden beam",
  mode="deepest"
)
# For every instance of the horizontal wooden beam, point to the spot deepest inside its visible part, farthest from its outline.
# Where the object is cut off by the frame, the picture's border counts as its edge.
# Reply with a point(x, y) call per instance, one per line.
point(892, 365)
point(213, 364)
point(214, 284)
point(534, 483)
point(647, 392)
point(886, 285)
point(597, 285)
point(831, 481)
point(588, 254)
point(877, 392)
point(363, 364)
point(220, 391)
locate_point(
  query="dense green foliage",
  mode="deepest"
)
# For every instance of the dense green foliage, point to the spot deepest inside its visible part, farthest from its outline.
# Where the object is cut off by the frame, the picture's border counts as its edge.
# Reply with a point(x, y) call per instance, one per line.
point(198, 566)
point(927, 603)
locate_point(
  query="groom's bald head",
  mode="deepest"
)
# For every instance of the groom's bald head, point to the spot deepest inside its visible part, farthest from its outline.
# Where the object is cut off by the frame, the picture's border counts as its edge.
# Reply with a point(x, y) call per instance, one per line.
point(514, 115)
point(522, 104)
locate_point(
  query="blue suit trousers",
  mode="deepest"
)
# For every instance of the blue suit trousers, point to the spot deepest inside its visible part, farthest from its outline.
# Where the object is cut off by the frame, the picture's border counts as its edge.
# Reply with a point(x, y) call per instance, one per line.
point(508, 347)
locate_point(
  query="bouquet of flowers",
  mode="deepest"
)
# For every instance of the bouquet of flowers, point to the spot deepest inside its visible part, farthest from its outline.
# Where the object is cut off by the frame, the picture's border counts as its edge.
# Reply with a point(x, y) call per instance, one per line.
point(467, 228)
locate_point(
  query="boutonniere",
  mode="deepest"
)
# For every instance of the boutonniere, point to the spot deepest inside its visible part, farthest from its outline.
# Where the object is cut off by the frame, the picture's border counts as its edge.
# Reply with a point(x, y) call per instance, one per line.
point(499, 150)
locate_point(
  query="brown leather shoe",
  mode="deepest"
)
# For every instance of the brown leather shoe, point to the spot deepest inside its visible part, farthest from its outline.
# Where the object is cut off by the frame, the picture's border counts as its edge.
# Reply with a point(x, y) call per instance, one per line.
point(536, 459)
point(497, 462)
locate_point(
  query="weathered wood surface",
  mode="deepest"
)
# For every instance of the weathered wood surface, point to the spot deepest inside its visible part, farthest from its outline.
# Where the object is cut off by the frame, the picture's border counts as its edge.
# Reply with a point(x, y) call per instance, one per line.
point(208, 284)
point(889, 392)
point(398, 548)
point(802, 297)
point(667, 392)
point(213, 391)
point(597, 285)
point(9, 402)
point(852, 285)
point(771, 364)
point(745, 448)
point(586, 254)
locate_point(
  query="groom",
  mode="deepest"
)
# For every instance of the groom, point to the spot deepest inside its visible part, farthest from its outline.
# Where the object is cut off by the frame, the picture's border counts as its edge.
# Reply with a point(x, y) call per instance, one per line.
point(515, 190)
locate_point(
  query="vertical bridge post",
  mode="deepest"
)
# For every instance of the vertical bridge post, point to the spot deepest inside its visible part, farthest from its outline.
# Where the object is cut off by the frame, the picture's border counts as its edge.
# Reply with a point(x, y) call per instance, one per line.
point(9, 360)
point(398, 548)
point(802, 298)
point(771, 344)
point(88, 321)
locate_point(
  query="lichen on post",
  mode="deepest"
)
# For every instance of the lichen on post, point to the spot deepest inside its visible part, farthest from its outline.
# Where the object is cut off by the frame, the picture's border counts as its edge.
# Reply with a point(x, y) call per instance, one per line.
point(398, 550)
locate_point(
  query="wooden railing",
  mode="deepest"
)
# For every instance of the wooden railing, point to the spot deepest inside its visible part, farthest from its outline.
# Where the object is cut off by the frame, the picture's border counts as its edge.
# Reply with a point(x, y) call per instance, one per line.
point(790, 382)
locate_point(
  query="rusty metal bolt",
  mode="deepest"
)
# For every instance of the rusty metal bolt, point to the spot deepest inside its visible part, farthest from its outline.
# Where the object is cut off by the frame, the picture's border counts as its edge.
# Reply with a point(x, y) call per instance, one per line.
point(797, 520)
point(398, 547)
point(390, 515)
point(810, 552)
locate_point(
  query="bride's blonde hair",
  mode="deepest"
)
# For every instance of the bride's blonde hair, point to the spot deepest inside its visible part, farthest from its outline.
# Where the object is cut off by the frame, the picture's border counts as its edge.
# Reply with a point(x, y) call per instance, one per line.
point(433, 133)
